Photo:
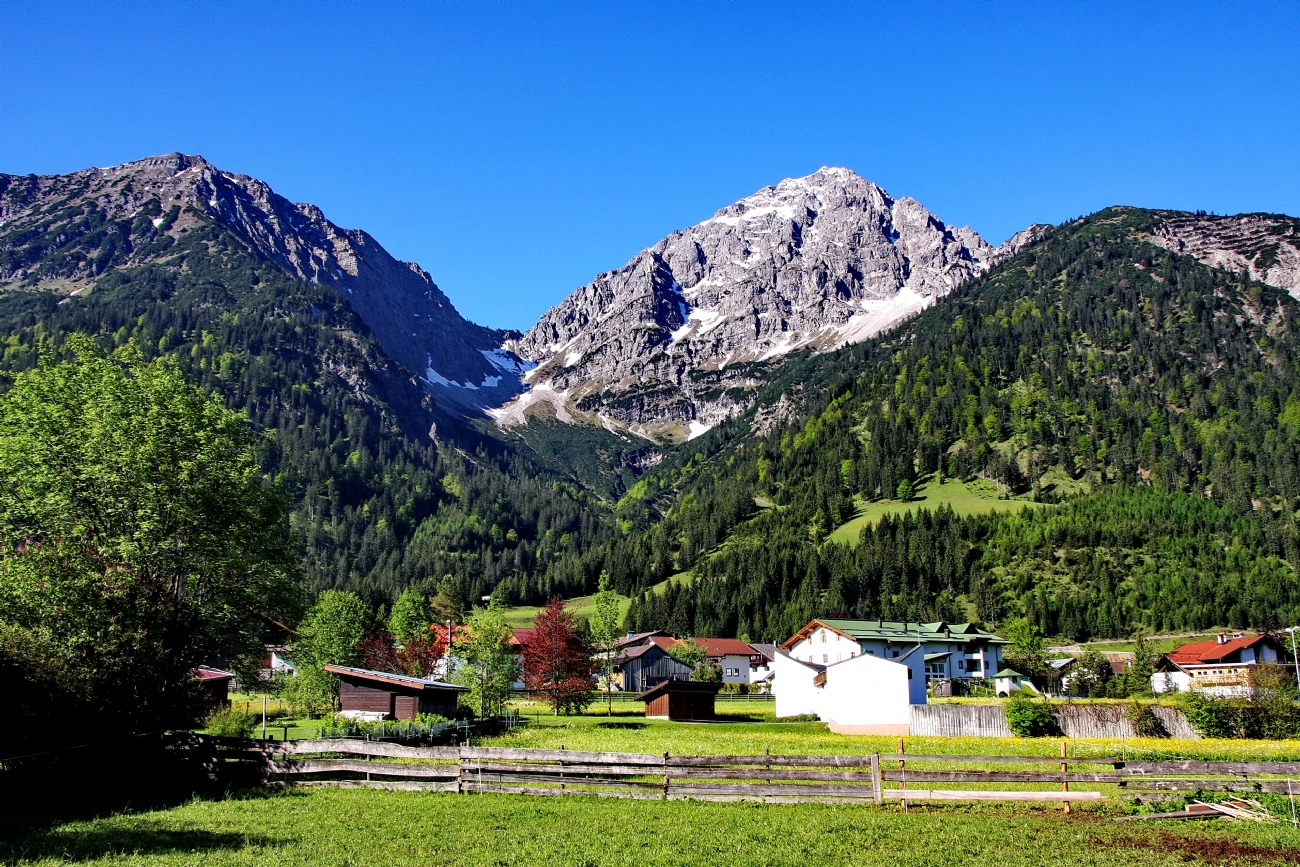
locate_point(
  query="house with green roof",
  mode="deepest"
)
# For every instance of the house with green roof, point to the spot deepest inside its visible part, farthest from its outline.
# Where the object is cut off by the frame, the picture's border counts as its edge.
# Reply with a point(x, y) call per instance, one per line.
point(952, 651)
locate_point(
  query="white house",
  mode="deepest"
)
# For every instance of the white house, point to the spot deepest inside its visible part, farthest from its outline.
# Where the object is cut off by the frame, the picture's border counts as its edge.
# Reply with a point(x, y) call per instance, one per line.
point(957, 651)
point(860, 694)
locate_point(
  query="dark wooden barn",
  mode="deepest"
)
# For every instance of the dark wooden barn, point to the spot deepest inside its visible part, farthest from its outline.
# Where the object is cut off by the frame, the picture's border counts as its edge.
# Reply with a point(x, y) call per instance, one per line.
point(398, 696)
point(216, 685)
point(685, 700)
point(647, 665)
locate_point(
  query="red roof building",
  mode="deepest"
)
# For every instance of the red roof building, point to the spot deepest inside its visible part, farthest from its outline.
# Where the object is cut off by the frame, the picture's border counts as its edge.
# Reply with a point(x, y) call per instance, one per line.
point(1218, 667)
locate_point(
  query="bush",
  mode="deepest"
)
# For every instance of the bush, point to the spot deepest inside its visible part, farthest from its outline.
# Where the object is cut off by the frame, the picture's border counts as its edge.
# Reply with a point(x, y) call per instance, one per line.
point(230, 723)
point(1144, 721)
point(1028, 718)
point(734, 689)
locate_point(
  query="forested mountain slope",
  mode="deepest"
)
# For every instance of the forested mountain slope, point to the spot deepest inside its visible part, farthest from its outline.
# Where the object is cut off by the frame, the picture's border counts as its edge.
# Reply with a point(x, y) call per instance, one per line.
point(1096, 361)
point(378, 502)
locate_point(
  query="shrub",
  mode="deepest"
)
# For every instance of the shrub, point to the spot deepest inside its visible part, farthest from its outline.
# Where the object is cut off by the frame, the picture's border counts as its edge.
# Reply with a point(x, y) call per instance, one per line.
point(734, 689)
point(1028, 718)
point(1144, 721)
point(230, 723)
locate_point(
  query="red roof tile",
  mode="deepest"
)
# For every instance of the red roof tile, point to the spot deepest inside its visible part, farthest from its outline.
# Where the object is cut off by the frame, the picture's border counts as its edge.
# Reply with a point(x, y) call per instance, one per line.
point(726, 647)
point(1203, 652)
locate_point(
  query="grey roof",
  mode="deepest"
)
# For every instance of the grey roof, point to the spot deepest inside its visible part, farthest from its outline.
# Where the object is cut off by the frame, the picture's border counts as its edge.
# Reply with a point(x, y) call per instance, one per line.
point(765, 650)
point(389, 677)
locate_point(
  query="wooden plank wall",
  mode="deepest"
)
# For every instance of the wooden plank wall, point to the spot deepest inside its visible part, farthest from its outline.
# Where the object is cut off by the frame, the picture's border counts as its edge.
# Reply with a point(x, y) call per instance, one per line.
point(1076, 720)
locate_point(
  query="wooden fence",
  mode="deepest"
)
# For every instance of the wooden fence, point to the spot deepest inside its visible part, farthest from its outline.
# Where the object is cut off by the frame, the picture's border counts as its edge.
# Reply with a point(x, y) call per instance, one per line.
point(769, 778)
point(1075, 720)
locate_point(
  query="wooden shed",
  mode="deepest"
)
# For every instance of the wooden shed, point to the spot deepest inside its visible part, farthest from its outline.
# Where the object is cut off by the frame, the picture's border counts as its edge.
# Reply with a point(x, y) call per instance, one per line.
point(396, 695)
point(685, 700)
point(216, 685)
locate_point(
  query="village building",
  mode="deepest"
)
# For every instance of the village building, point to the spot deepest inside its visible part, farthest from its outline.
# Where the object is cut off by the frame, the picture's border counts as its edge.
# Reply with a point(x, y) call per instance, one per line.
point(277, 661)
point(957, 651)
point(393, 696)
point(681, 700)
point(215, 684)
point(860, 693)
point(645, 665)
point(732, 655)
point(1219, 668)
point(760, 668)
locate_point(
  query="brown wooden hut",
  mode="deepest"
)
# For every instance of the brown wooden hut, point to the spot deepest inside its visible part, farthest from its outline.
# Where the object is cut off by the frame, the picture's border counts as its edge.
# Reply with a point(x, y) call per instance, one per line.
point(396, 695)
point(684, 700)
point(216, 685)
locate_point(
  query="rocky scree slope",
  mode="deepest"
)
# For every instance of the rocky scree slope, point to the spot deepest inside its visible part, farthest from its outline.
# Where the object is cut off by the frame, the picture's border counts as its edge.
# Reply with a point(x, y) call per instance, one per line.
point(1266, 246)
point(666, 346)
point(62, 232)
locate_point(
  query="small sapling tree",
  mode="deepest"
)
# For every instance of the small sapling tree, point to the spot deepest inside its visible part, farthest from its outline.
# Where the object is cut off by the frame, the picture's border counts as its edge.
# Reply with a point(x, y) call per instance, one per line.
point(605, 633)
point(487, 662)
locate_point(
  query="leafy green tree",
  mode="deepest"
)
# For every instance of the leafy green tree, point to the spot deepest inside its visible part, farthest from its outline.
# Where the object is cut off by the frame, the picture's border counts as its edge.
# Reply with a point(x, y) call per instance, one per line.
point(905, 491)
point(411, 614)
point(137, 535)
point(487, 663)
point(605, 632)
point(1027, 651)
point(688, 651)
point(332, 633)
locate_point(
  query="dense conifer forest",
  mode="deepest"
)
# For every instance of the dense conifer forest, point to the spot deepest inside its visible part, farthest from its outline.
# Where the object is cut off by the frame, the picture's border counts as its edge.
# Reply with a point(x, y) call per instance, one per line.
point(1145, 403)
point(378, 504)
point(1155, 396)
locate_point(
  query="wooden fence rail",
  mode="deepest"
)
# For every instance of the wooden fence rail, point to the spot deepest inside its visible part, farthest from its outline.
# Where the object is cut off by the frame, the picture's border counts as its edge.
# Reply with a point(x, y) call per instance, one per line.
point(768, 778)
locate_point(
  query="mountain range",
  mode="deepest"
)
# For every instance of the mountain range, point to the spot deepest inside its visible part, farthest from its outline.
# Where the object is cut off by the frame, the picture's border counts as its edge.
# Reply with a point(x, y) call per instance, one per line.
point(731, 401)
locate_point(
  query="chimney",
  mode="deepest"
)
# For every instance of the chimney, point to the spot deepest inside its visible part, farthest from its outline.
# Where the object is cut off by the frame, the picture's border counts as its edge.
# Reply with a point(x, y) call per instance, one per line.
point(1221, 638)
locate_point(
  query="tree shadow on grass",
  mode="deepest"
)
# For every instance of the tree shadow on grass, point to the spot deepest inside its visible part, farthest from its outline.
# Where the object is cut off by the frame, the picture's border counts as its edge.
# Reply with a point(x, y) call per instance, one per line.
point(620, 725)
point(124, 835)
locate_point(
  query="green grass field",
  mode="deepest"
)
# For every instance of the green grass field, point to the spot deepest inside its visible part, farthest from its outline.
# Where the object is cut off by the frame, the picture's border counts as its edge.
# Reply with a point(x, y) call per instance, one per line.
point(751, 728)
point(362, 827)
point(965, 498)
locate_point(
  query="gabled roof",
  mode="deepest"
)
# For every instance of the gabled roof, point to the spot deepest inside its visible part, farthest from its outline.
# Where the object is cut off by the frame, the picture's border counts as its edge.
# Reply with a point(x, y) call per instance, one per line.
point(901, 631)
point(767, 651)
point(715, 647)
point(1008, 672)
point(523, 635)
point(1210, 652)
point(206, 672)
point(638, 638)
point(392, 679)
point(679, 686)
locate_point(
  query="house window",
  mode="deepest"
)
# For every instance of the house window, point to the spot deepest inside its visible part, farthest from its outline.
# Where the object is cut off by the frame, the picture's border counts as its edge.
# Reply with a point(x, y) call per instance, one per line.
point(895, 654)
point(823, 636)
point(825, 657)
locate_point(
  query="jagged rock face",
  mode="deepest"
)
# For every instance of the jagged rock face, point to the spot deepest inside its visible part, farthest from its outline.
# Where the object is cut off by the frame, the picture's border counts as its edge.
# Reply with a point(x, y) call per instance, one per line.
point(1265, 245)
point(60, 232)
point(662, 345)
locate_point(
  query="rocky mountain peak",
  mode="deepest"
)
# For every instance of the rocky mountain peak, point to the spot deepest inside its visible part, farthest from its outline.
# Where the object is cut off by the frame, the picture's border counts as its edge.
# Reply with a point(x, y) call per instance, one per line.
point(663, 345)
point(1265, 246)
point(61, 232)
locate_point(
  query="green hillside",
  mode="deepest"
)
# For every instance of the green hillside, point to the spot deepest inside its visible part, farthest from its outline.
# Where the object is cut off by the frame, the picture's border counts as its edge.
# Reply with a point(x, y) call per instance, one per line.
point(1094, 361)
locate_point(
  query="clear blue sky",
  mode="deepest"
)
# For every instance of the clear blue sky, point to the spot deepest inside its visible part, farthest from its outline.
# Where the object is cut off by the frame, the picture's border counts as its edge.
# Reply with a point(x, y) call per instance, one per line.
point(515, 150)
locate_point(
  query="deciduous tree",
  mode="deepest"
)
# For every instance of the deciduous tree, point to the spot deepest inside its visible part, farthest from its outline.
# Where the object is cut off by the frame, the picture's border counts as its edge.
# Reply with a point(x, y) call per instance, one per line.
point(557, 664)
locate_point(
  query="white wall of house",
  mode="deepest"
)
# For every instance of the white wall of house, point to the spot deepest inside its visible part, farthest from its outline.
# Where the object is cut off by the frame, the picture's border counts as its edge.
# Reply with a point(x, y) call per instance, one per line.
point(735, 668)
point(863, 694)
point(792, 685)
point(1170, 681)
point(869, 695)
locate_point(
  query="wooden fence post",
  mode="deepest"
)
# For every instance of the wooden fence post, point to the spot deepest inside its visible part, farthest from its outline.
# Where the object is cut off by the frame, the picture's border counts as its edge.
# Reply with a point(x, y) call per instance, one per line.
point(1065, 771)
point(902, 767)
point(875, 779)
point(665, 775)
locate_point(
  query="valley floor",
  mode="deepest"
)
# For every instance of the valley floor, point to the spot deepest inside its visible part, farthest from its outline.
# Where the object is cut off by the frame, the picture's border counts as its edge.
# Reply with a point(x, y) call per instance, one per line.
point(366, 827)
